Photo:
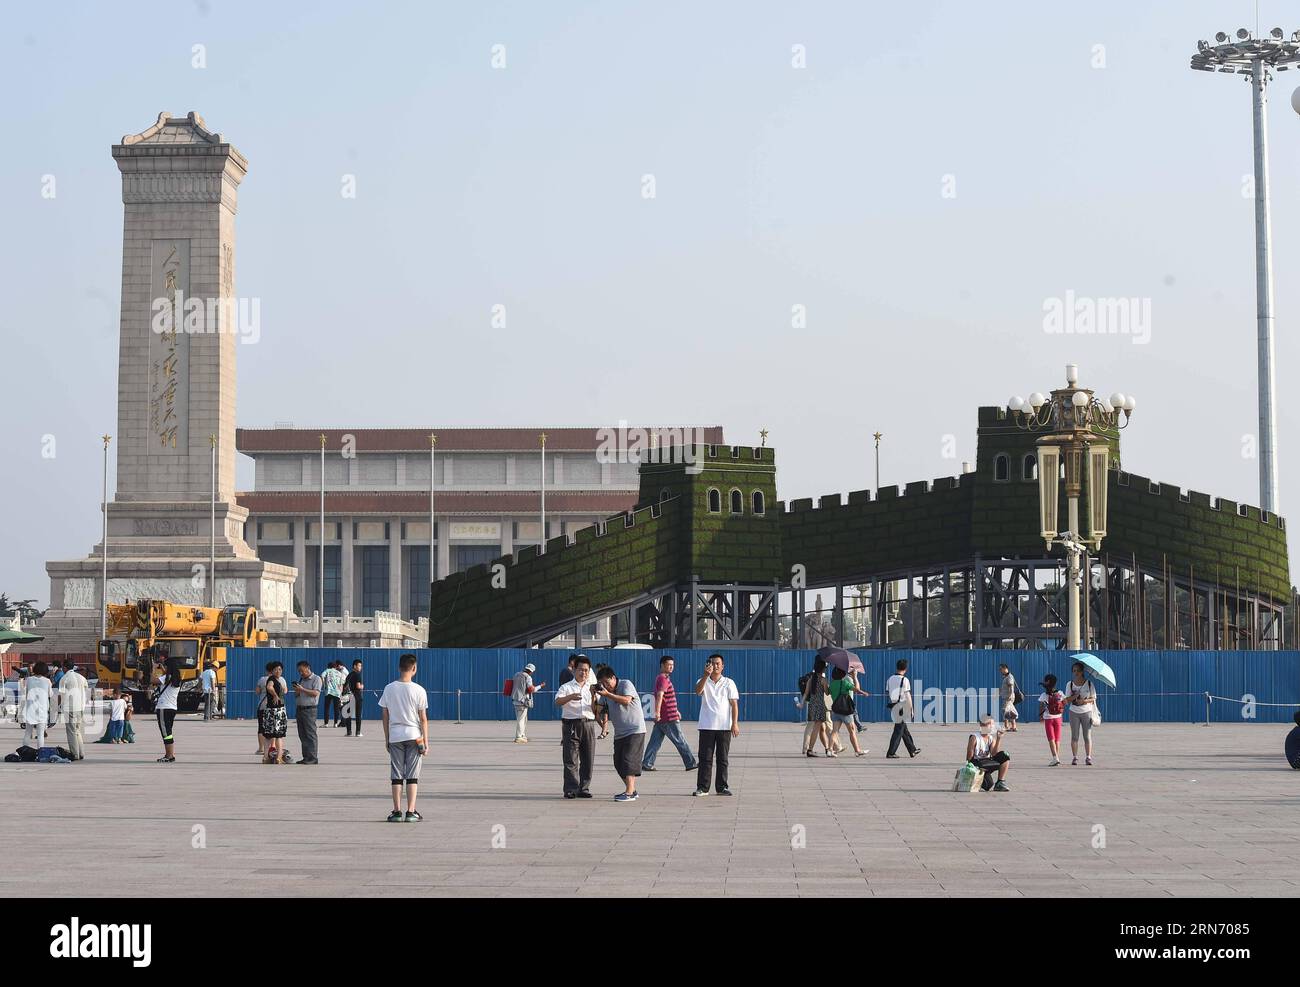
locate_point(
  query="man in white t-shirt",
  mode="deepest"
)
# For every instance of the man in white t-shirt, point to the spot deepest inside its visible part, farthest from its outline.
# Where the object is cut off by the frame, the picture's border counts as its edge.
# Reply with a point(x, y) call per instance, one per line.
point(719, 722)
point(36, 706)
point(898, 700)
point(406, 735)
point(72, 706)
point(578, 728)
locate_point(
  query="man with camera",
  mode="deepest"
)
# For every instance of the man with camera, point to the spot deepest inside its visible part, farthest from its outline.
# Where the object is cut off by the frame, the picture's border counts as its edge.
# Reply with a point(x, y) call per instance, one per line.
point(719, 723)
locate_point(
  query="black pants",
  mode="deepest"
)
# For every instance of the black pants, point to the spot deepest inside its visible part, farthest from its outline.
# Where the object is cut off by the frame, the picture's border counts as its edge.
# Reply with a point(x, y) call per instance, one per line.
point(579, 748)
point(990, 765)
point(357, 699)
point(337, 703)
point(713, 743)
point(902, 735)
point(166, 717)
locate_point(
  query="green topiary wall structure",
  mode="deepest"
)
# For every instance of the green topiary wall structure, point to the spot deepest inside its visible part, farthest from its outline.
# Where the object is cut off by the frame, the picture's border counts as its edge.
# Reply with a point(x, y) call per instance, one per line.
point(674, 535)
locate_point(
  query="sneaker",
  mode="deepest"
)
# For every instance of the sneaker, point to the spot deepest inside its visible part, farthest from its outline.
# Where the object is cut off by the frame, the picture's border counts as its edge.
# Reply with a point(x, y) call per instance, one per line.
point(914, 753)
point(520, 740)
point(308, 762)
point(810, 753)
point(585, 795)
point(358, 734)
point(834, 753)
point(414, 816)
point(693, 767)
point(724, 791)
point(570, 795)
point(1087, 760)
point(1074, 761)
point(645, 768)
point(894, 757)
point(699, 793)
point(1001, 786)
point(395, 816)
point(864, 753)
point(1055, 762)
point(523, 740)
point(625, 797)
point(166, 760)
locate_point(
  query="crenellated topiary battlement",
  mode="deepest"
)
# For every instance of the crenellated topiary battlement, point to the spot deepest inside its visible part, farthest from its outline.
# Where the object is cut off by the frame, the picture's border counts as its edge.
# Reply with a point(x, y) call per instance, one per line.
point(686, 526)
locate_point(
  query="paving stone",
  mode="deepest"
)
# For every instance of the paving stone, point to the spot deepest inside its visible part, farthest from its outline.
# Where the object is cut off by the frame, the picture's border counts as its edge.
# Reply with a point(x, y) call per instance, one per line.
point(495, 825)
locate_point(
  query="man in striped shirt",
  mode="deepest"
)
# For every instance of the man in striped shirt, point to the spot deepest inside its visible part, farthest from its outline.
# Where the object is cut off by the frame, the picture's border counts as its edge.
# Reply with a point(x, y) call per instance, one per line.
point(668, 720)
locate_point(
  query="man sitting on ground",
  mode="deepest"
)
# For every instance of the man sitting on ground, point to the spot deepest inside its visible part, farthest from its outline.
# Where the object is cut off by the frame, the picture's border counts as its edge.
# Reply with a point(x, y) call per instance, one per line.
point(984, 750)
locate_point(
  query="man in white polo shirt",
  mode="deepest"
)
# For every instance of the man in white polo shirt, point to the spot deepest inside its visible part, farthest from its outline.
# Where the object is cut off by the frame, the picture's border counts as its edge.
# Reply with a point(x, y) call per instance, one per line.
point(578, 724)
point(719, 722)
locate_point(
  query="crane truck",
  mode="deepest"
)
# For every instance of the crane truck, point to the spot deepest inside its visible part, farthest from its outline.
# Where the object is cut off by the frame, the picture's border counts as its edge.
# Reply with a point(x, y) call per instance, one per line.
point(152, 630)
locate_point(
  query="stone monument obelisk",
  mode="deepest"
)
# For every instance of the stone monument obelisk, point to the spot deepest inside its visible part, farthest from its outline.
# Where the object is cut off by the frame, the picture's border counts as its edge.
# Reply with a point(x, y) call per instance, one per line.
point(175, 389)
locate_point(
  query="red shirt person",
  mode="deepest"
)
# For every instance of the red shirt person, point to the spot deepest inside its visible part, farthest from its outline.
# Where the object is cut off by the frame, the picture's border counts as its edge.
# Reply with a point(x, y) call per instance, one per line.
point(668, 720)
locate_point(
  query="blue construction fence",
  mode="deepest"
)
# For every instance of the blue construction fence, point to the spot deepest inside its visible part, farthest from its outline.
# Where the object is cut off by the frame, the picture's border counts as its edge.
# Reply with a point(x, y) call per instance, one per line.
point(1153, 686)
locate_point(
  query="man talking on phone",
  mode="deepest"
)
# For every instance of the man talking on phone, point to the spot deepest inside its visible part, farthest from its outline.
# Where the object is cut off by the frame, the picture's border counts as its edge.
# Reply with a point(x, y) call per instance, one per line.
point(719, 722)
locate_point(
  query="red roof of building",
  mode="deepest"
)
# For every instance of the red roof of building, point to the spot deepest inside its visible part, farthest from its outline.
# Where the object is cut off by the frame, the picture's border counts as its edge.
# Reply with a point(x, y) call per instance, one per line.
point(416, 502)
point(307, 440)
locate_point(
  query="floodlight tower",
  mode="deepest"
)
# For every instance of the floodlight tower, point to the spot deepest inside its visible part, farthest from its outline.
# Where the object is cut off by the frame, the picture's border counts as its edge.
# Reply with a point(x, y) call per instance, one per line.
point(1258, 58)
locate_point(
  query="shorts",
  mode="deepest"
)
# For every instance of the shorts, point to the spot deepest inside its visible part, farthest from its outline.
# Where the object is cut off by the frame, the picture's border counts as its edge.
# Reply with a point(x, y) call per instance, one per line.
point(404, 760)
point(1053, 727)
point(628, 752)
point(843, 718)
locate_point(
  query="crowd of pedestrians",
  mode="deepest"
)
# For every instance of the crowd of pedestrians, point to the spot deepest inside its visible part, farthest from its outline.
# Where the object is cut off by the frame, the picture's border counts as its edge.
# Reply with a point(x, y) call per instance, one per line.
point(591, 701)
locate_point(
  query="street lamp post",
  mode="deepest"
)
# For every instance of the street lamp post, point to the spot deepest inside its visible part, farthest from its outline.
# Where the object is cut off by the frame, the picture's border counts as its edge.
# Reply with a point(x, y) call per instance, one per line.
point(1256, 59)
point(1072, 419)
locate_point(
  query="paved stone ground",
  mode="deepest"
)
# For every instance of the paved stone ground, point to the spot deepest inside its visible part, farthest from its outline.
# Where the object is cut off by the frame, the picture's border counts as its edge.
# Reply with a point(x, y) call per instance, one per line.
point(1187, 810)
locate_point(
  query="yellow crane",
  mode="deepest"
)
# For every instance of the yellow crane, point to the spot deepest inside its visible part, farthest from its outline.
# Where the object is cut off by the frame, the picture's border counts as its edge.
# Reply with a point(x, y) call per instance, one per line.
point(152, 630)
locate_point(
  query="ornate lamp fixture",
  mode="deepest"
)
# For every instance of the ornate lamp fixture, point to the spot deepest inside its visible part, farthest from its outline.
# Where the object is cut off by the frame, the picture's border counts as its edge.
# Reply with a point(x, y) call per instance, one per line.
point(1072, 419)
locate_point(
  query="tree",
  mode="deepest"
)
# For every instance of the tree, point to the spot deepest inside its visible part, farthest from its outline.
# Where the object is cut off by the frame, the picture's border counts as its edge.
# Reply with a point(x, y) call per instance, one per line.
point(26, 610)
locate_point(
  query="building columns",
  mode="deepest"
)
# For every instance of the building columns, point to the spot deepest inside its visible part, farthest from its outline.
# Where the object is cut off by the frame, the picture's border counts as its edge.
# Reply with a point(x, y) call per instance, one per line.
point(346, 601)
point(300, 563)
point(395, 593)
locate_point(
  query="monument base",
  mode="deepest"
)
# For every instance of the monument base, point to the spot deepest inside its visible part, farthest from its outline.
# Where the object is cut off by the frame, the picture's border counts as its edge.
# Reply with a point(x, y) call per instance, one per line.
point(72, 623)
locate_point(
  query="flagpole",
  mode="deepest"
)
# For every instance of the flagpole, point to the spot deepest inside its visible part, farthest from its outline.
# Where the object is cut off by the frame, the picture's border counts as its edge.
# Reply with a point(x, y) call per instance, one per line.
point(543, 438)
point(320, 564)
point(433, 523)
point(103, 586)
point(212, 534)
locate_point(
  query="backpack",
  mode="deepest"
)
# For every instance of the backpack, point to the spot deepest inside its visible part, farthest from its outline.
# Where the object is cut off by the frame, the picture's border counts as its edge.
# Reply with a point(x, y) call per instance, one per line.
point(508, 689)
point(1056, 703)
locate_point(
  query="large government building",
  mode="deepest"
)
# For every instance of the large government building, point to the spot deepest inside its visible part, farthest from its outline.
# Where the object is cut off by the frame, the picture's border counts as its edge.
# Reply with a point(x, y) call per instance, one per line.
point(487, 502)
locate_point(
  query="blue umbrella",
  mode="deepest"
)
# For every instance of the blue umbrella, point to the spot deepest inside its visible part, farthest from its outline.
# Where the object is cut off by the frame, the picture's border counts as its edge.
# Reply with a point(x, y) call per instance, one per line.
point(1100, 670)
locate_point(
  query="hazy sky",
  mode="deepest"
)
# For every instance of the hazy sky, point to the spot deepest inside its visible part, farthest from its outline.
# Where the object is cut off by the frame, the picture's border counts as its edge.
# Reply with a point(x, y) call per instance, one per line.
point(934, 175)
